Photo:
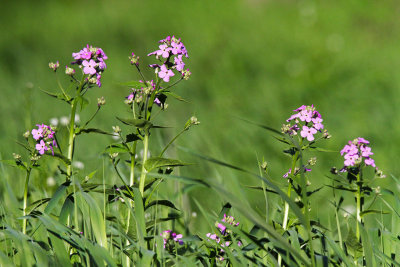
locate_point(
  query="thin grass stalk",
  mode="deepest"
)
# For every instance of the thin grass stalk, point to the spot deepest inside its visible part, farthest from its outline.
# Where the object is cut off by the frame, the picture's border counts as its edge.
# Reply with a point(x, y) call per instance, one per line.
point(24, 222)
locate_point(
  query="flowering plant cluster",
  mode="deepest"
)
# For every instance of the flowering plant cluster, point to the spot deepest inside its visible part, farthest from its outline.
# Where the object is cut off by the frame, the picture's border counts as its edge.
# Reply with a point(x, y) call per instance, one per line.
point(92, 60)
point(225, 233)
point(307, 120)
point(170, 53)
point(356, 152)
point(44, 135)
point(138, 95)
point(170, 238)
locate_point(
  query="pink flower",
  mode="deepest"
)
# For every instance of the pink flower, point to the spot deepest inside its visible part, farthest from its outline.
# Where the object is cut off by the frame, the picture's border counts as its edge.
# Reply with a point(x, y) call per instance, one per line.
point(308, 133)
point(370, 162)
point(37, 133)
point(165, 73)
point(41, 147)
point(89, 67)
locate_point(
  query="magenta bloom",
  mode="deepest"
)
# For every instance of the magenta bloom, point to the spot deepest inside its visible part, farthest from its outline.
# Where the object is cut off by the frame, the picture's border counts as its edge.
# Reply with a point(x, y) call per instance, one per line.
point(355, 152)
point(89, 67)
point(179, 65)
point(37, 133)
point(165, 73)
point(41, 147)
point(308, 133)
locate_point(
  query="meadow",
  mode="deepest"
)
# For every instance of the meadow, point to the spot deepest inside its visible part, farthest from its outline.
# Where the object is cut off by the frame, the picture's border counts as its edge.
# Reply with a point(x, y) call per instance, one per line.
point(252, 63)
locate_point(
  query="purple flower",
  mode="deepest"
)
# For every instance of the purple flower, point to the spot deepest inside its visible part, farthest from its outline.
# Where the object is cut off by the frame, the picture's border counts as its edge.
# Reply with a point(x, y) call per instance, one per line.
point(350, 160)
point(41, 147)
point(308, 132)
point(89, 67)
point(365, 151)
point(37, 133)
point(179, 65)
point(165, 73)
point(317, 123)
point(370, 162)
point(305, 115)
point(355, 152)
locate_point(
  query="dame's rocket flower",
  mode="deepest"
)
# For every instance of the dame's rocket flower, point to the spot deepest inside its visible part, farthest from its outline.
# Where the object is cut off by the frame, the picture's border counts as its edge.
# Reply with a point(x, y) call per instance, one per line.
point(45, 136)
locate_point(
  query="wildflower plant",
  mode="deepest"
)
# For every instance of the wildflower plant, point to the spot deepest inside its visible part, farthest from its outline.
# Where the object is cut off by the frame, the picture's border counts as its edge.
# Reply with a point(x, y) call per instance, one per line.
point(122, 220)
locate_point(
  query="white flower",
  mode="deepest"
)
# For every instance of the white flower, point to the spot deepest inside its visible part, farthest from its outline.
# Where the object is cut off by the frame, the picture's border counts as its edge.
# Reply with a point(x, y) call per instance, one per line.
point(64, 120)
point(78, 165)
point(50, 181)
point(54, 121)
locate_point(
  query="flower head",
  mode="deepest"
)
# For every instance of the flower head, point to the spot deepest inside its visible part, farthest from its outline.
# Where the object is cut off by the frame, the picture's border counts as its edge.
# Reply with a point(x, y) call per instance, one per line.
point(356, 152)
point(44, 135)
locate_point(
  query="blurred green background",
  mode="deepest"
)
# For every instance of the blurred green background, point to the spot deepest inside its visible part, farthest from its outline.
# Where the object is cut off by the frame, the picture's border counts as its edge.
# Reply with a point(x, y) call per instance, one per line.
point(251, 59)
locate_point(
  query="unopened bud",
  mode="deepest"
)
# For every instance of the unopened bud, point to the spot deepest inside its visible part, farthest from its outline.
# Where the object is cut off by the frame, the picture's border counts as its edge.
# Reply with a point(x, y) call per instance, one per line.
point(116, 129)
point(54, 66)
point(134, 59)
point(93, 80)
point(194, 120)
point(27, 134)
point(326, 135)
point(35, 158)
point(186, 74)
point(312, 161)
point(113, 155)
point(69, 71)
point(101, 101)
point(334, 170)
point(17, 156)
point(264, 166)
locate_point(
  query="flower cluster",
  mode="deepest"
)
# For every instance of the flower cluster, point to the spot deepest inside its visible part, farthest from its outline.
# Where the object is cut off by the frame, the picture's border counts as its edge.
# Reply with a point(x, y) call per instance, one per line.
point(225, 232)
point(92, 60)
point(169, 236)
point(138, 95)
point(170, 52)
point(355, 152)
point(306, 120)
point(296, 171)
point(45, 137)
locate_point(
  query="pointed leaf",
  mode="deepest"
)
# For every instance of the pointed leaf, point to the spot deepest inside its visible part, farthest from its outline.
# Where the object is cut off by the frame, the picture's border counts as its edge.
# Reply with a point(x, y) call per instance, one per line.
point(60, 96)
point(366, 212)
point(116, 148)
point(157, 162)
point(139, 123)
point(177, 97)
point(164, 202)
point(133, 84)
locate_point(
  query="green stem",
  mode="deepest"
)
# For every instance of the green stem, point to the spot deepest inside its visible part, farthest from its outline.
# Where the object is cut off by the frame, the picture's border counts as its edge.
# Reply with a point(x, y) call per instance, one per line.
point(71, 138)
point(28, 173)
point(358, 199)
point(144, 171)
point(173, 140)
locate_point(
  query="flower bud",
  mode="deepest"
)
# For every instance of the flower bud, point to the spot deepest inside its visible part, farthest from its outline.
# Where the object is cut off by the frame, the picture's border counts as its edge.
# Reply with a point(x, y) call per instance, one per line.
point(69, 71)
point(17, 157)
point(186, 74)
point(334, 170)
point(326, 135)
point(93, 80)
point(194, 120)
point(54, 66)
point(116, 129)
point(264, 166)
point(113, 155)
point(312, 161)
point(27, 134)
point(134, 59)
point(101, 101)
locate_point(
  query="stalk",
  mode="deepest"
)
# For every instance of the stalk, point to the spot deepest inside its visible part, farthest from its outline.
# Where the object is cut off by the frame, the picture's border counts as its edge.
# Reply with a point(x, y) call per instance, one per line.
point(71, 138)
point(28, 173)
point(144, 171)
point(358, 199)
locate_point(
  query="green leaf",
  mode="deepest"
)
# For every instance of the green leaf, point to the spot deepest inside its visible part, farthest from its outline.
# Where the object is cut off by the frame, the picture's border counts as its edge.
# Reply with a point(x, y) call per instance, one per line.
point(91, 130)
point(116, 148)
point(138, 123)
point(139, 217)
point(354, 246)
point(97, 220)
point(165, 203)
point(82, 101)
point(60, 96)
point(132, 137)
point(366, 212)
point(13, 163)
point(263, 126)
point(177, 97)
point(56, 197)
point(60, 156)
point(133, 84)
point(158, 162)
point(367, 246)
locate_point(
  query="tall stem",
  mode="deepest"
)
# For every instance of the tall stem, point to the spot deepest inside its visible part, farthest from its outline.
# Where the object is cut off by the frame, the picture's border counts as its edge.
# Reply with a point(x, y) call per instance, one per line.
point(359, 207)
point(71, 138)
point(144, 171)
point(28, 173)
